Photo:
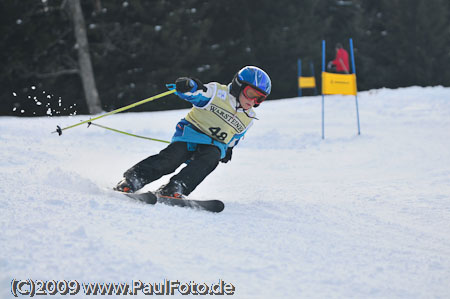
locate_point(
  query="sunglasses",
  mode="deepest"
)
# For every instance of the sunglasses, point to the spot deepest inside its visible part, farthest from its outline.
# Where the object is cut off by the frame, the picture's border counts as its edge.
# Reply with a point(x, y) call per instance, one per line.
point(253, 94)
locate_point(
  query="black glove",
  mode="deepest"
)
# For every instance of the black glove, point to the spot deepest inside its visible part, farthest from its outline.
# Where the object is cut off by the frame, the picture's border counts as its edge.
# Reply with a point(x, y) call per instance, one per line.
point(185, 84)
point(227, 155)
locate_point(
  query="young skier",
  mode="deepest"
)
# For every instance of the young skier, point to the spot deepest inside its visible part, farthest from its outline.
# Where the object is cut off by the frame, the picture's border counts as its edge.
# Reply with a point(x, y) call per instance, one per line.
point(219, 118)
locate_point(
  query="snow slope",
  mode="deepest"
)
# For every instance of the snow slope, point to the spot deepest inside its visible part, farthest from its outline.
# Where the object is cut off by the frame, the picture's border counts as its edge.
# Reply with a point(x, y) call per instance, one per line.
point(346, 217)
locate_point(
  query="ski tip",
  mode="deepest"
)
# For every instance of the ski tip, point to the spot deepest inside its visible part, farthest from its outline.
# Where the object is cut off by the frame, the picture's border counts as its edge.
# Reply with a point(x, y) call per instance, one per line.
point(221, 207)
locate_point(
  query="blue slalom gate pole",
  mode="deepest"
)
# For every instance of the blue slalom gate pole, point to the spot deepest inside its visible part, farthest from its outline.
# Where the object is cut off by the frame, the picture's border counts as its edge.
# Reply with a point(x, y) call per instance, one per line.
point(323, 96)
point(299, 74)
point(356, 96)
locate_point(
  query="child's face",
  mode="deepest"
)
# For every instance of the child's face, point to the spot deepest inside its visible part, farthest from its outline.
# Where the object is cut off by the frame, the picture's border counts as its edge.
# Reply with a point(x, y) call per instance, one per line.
point(249, 97)
point(245, 103)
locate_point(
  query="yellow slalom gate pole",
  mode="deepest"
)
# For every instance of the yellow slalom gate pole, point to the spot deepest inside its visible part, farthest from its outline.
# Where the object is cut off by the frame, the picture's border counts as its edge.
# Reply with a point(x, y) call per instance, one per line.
point(59, 129)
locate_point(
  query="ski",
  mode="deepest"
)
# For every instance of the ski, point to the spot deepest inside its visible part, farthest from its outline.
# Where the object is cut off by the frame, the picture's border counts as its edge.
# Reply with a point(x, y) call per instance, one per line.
point(214, 205)
point(147, 197)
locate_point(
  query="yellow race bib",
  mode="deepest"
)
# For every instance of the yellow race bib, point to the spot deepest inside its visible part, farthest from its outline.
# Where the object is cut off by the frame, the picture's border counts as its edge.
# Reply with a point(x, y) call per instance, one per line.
point(219, 119)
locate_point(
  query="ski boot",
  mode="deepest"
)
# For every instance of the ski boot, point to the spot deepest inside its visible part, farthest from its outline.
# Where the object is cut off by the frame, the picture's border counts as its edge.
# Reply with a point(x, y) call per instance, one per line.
point(125, 186)
point(175, 189)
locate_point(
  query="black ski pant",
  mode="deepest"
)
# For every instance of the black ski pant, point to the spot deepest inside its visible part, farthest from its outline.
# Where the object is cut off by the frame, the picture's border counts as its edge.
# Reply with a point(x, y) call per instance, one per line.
point(202, 162)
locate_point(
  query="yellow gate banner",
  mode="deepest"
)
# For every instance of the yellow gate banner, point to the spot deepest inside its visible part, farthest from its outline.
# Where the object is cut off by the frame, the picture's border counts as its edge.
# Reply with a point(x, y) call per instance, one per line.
point(306, 82)
point(338, 83)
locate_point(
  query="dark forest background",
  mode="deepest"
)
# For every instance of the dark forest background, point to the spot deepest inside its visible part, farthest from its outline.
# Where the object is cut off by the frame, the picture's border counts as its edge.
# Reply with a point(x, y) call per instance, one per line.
point(137, 46)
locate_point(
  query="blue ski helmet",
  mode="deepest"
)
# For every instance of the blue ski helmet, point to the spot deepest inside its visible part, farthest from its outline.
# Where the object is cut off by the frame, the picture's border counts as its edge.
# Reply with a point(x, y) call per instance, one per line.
point(252, 76)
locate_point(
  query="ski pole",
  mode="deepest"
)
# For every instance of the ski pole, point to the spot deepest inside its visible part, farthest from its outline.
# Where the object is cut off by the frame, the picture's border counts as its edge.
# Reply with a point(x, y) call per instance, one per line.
point(166, 93)
point(126, 133)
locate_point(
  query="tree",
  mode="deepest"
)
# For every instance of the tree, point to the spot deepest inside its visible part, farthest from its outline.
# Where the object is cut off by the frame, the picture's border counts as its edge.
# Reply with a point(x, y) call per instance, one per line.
point(138, 46)
point(84, 59)
point(405, 43)
point(41, 73)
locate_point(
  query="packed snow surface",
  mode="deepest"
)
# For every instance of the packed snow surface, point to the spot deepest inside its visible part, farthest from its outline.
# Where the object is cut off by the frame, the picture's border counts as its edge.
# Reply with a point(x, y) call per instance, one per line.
point(349, 216)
